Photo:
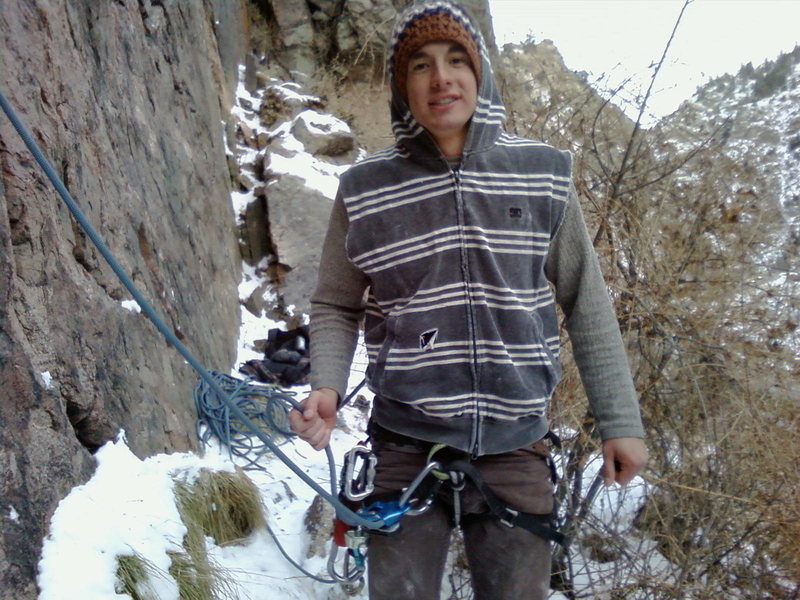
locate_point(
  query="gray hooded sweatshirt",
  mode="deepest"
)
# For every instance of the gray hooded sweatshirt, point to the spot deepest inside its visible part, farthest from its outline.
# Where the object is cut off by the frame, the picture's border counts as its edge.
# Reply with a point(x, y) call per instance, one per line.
point(452, 266)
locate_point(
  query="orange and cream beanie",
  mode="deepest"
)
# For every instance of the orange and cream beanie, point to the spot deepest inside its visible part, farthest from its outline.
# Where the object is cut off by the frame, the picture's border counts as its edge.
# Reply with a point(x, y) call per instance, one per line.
point(429, 22)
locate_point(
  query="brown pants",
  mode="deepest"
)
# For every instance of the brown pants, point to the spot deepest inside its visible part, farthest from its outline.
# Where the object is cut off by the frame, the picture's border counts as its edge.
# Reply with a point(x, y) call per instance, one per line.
point(506, 563)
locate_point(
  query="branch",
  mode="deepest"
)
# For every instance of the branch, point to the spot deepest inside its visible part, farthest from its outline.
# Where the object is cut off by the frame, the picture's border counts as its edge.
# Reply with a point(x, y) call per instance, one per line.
point(637, 126)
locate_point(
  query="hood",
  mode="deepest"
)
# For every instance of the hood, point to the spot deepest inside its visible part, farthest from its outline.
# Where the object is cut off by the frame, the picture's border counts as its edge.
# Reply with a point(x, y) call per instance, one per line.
point(487, 122)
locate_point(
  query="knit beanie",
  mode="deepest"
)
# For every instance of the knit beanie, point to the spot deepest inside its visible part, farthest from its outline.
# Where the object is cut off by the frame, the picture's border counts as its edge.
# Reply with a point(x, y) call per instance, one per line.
point(438, 24)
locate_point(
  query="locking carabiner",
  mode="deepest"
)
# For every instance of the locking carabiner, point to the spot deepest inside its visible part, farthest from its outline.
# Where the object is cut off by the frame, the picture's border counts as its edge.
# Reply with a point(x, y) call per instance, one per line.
point(358, 473)
point(417, 506)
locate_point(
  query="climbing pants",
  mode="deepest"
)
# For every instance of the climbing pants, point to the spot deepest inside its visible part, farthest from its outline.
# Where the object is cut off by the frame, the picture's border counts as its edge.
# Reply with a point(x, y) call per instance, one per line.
point(506, 563)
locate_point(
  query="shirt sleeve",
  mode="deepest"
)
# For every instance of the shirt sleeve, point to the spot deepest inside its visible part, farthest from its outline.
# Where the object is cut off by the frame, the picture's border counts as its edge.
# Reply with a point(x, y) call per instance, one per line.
point(573, 268)
point(337, 306)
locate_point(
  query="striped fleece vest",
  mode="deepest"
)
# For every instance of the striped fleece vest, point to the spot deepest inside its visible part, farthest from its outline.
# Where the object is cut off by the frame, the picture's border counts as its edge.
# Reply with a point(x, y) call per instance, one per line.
point(460, 324)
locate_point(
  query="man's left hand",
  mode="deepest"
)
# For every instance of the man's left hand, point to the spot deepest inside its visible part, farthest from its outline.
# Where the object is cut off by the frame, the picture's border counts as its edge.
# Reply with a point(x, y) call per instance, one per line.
point(623, 459)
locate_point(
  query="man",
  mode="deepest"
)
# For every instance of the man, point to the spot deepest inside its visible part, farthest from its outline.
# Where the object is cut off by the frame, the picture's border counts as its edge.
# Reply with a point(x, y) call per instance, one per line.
point(452, 234)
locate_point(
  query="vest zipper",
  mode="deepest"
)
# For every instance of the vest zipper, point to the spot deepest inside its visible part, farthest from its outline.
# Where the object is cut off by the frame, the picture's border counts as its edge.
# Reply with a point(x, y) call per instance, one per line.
point(475, 437)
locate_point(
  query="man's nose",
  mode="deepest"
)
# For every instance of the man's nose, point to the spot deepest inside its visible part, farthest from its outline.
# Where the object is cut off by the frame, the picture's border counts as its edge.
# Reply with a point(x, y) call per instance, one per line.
point(440, 75)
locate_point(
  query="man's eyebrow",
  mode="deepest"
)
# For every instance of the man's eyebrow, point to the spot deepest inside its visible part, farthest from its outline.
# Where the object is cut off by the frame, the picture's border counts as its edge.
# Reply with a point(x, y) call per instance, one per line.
point(454, 47)
point(418, 54)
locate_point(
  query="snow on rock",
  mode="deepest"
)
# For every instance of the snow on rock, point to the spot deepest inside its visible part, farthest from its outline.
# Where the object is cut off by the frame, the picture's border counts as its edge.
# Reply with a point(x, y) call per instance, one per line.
point(131, 305)
point(325, 135)
point(47, 379)
point(289, 156)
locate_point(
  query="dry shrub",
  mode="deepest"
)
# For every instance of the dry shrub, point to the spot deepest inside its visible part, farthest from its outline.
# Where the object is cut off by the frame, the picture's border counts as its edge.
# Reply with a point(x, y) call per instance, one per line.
point(702, 268)
point(362, 102)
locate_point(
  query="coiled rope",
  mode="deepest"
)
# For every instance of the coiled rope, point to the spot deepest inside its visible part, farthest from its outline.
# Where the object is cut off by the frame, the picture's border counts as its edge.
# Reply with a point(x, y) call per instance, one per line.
point(263, 404)
point(342, 512)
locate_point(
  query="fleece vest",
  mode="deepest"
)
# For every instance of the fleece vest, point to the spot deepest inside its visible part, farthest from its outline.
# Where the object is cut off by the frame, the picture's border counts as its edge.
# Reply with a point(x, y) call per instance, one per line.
point(460, 324)
point(460, 321)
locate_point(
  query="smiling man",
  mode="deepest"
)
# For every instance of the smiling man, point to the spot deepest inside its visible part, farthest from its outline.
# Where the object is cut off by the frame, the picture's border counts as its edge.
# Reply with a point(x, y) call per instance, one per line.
point(453, 246)
point(442, 92)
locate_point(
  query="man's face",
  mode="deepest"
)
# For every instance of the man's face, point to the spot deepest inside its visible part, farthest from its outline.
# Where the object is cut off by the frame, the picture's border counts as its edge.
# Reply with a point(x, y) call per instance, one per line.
point(442, 93)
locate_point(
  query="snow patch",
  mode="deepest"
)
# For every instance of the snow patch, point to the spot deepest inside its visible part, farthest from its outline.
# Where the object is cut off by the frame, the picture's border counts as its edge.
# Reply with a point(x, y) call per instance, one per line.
point(322, 124)
point(131, 305)
point(317, 174)
point(47, 379)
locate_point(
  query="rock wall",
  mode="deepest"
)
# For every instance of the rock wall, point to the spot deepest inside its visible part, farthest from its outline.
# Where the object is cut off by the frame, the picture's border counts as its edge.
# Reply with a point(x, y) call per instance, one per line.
point(343, 33)
point(126, 98)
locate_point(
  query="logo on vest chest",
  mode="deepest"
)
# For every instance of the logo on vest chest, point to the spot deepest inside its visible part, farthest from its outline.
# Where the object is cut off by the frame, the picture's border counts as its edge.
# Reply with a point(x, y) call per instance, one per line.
point(515, 212)
point(427, 340)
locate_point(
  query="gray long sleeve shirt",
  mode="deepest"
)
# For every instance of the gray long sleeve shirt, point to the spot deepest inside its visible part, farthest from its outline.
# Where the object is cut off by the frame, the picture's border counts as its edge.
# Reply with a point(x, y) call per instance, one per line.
point(448, 265)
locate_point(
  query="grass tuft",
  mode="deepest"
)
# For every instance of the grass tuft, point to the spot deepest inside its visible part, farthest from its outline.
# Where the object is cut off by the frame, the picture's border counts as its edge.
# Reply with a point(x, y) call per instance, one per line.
point(222, 505)
point(133, 577)
point(218, 504)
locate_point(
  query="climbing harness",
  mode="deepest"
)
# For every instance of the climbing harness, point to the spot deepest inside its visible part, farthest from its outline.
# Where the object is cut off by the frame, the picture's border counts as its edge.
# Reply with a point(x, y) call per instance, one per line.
point(357, 485)
point(539, 525)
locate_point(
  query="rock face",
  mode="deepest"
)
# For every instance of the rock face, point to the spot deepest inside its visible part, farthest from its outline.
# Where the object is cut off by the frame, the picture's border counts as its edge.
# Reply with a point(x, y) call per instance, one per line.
point(352, 32)
point(126, 100)
point(288, 156)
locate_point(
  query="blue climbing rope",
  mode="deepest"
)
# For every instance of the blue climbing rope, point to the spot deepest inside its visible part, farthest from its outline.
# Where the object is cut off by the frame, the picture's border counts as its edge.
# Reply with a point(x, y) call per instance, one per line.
point(342, 512)
point(264, 404)
point(293, 562)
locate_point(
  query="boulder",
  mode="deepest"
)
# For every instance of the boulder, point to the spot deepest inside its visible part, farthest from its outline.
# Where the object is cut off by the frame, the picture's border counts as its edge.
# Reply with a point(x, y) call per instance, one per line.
point(324, 135)
point(318, 522)
point(254, 231)
point(298, 217)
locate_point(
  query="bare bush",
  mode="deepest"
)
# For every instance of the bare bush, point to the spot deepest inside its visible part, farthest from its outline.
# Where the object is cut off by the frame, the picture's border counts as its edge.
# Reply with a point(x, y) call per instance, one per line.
point(703, 269)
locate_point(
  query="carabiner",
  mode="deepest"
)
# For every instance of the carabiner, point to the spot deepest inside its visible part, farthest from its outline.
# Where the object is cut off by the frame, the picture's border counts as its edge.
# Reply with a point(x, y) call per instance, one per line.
point(352, 576)
point(358, 473)
point(405, 497)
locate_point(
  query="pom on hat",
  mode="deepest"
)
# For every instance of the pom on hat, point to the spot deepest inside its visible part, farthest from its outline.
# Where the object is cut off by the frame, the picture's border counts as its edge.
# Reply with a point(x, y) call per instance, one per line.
point(438, 25)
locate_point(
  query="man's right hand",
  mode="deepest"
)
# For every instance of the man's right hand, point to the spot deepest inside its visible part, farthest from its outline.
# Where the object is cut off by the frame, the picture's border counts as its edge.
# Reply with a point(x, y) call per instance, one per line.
point(315, 423)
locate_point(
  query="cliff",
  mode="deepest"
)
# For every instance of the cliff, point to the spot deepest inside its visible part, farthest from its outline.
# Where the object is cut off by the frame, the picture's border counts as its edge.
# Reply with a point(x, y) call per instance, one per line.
point(126, 100)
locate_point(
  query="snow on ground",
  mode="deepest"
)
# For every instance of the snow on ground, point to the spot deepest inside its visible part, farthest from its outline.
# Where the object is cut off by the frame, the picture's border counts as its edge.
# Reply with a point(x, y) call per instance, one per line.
point(128, 506)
